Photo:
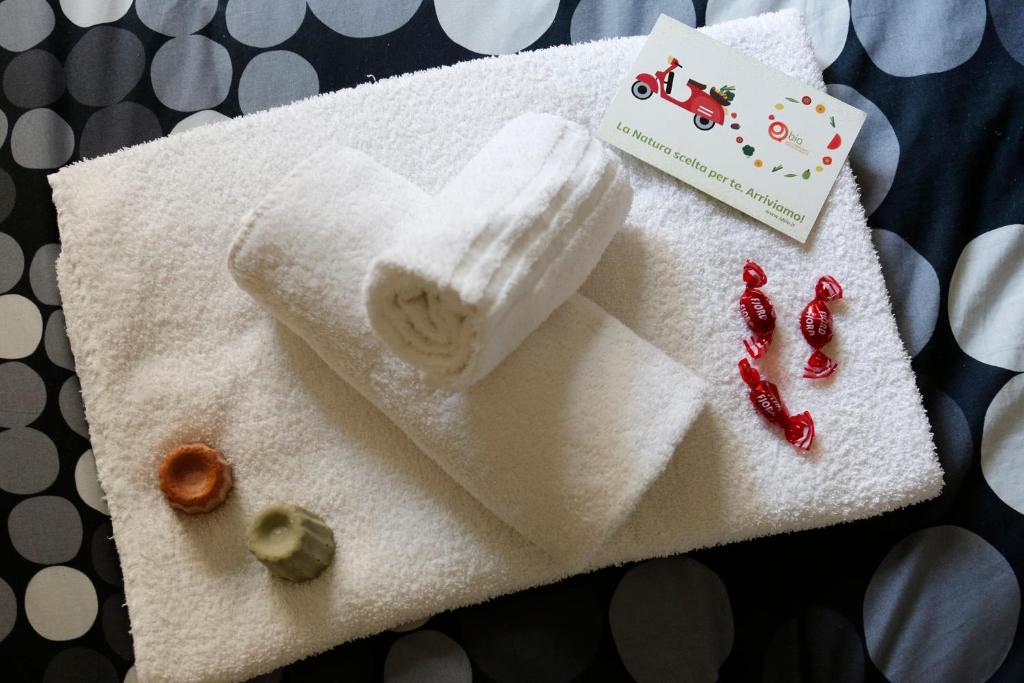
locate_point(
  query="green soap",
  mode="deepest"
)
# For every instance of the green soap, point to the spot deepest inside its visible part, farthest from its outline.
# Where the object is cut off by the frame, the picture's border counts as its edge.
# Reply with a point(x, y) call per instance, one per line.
point(292, 542)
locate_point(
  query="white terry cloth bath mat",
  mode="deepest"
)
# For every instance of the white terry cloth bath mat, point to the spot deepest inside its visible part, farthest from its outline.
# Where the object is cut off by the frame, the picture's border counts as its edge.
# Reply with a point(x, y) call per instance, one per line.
point(169, 349)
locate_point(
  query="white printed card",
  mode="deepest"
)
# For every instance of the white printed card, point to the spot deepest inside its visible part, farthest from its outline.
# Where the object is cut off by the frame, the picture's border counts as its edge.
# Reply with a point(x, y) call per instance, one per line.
point(745, 133)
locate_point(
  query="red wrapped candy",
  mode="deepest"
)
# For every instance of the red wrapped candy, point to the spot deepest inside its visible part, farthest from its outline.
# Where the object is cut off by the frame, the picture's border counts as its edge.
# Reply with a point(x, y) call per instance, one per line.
point(816, 324)
point(764, 395)
point(756, 310)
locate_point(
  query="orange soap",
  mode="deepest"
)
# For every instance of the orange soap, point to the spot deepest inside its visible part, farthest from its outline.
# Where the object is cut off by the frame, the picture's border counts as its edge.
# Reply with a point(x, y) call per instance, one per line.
point(195, 478)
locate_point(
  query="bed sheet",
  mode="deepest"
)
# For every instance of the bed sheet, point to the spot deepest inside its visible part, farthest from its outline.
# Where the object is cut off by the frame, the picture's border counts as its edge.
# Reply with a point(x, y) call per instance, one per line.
point(931, 593)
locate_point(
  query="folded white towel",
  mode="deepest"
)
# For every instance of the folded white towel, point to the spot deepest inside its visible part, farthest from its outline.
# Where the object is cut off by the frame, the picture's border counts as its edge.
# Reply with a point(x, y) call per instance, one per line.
point(560, 442)
point(169, 348)
point(511, 236)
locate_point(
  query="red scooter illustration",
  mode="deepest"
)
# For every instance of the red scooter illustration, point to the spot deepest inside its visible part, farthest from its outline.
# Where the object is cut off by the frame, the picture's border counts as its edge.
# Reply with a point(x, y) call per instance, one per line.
point(707, 108)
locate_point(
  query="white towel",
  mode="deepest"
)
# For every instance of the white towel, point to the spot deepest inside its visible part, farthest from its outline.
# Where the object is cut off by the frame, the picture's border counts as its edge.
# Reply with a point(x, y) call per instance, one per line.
point(512, 235)
point(168, 348)
point(560, 442)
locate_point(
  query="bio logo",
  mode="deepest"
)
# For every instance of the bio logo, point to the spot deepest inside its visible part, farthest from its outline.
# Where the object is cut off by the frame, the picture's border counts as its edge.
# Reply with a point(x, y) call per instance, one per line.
point(778, 131)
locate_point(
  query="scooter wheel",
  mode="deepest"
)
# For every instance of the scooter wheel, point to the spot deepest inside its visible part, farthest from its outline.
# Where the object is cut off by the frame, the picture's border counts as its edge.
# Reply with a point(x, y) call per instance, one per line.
point(703, 123)
point(641, 90)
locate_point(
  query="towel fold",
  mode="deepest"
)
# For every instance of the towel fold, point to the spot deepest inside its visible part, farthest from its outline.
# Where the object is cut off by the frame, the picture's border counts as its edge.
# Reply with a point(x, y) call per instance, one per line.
point(560, 441)
point(511, 236)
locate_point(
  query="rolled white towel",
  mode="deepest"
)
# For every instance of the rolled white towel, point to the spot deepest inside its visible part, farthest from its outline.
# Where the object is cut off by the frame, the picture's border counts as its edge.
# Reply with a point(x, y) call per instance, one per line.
point(560, 442)
point(509, 239)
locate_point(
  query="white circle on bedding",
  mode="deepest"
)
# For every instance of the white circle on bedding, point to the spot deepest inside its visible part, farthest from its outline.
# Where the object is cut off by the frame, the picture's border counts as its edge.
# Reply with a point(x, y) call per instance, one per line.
point(496, 27)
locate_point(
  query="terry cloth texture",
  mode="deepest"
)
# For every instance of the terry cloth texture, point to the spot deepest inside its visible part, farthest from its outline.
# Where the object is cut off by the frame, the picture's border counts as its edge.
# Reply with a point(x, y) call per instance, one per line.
point(560, 442)
point(512, 235)
point(169, 349)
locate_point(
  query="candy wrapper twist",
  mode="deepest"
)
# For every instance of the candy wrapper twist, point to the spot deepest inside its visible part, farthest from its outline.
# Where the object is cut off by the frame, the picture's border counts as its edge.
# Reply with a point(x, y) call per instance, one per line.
point(816, 325)
point(757, 310)
point(799, 429)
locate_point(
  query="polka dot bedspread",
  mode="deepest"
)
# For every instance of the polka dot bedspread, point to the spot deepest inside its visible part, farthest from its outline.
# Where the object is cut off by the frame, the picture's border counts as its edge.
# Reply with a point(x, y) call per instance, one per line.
point(931, 593)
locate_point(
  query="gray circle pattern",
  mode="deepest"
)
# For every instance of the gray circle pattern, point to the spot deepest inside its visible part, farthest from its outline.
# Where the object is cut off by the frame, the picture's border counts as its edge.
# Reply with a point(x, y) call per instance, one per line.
point(264, 23)
point(104, 66)
point(116, 127)
point(22, 394)
point(913, 288)
point(8, 195)
point(364, 18)
point(70, 401)
point(937, 579)
point(45, 529)
point(55, 341)
point(275, 78)
point(41, 139)
point(28, 461)
point(916, 37)
point(191, 73)
point(87, 483)
point(60, 603)
point(23, 23)
point(12, 262)
point(426, 657)
point(34, 79)
point(80, 664)
point(548, 635)
point(170, 19)
point(672, 621)
point(817, 646)
point(42, 274)
point(1009, 22)
point(87, 13)
point(114, 620)
point(104, 554)
point(8, 609)
point(953, 443)
point(597, 19)
point(876, 151)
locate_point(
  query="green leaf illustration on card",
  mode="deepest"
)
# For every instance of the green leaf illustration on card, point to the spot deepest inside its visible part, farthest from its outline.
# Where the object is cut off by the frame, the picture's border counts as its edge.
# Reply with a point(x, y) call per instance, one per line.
point(777, 168)
point(792, 100)
point(806, 174)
